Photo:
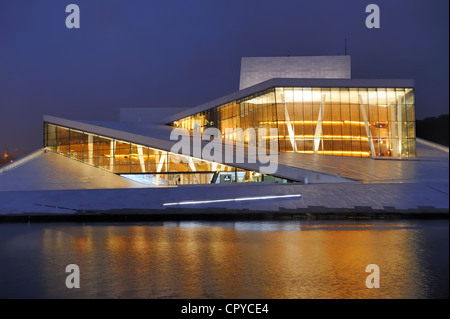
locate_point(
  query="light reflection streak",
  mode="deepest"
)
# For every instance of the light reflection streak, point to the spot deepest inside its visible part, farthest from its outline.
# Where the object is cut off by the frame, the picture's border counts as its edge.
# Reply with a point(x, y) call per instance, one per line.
point(237, 260)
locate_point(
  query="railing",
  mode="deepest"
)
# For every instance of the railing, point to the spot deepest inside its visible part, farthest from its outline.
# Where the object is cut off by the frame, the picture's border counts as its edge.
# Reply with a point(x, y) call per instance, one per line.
point(22, 160)
point(432, 144)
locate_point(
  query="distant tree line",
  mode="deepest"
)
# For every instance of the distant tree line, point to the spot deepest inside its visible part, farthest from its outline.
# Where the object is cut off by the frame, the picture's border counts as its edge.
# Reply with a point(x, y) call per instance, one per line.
point(434, 129)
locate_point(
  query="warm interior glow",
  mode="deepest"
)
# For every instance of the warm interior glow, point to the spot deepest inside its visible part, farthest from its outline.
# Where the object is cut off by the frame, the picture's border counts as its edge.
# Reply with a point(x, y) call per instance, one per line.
point(155, 167)
point(331, 137)
point(315, 122)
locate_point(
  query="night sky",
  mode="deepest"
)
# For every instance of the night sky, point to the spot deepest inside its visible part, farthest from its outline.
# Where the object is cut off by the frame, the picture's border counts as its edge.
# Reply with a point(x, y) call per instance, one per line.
point(166, 53)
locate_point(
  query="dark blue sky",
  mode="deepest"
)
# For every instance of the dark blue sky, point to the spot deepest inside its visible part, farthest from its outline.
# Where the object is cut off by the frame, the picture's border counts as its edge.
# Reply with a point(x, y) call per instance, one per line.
point(167, 53)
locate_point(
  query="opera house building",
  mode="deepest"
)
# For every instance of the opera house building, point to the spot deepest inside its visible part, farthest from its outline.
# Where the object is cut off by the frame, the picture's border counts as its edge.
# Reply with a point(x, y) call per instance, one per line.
point(326, 142)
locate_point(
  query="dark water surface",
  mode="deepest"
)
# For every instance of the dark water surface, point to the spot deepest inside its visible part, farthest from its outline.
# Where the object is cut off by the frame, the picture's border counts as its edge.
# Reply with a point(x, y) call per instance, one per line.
point(274, 260)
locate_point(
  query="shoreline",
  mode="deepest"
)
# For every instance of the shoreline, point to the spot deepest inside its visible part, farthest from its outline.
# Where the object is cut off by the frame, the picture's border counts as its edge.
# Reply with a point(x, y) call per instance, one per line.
point(214, 214)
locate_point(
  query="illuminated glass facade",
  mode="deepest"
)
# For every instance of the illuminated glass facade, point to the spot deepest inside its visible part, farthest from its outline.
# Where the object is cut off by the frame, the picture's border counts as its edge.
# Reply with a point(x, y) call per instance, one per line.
point(142, 163)
point(362, 122)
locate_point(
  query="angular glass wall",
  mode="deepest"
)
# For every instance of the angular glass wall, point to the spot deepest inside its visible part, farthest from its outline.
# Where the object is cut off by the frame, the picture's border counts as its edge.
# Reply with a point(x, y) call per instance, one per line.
point(139, 162)
point(362, 122)
point(255, 111)
point(376, 122)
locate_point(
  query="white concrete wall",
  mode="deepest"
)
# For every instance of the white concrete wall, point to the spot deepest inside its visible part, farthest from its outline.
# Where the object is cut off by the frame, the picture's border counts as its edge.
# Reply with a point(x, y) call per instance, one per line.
point(255, 70)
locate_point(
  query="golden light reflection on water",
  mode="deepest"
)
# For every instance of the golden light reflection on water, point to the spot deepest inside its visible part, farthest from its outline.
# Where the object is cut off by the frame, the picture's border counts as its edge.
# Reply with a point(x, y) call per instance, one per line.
point(225, 261)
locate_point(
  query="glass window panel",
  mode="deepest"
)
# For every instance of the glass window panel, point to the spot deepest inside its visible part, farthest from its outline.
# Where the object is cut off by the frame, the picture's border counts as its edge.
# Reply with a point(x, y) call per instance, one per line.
point(299, 119)
point(91, 149)
point(160, 161)
point(105, 153)
point(327, 124)
point(402, 110)
point(374, 127)
point(405, 150)
point(356, 120)
point(63, 146)
point(356, 147)
point(373, 107)
point(316, 103)
point(383, 146)
point(316, 95)
point(346, 120)
point(200, 166)
point(381, 97)
point(409, 99)
point(289, 95)
point(136, 159)
point(279, 95)
point(122, 157)
point(373, 96)
point(51, 136)
point(76, 144)
point(411, 128)
point(287, 143)
point(236, 109)
point(326, 100)
point(280, 118)
point(400, 95)
point(289, 106)
point(249, 107)
point(242, 109)
point(337, 125)
point(281, 136)
point(337, 146)
point(93, 156)
point(410, 113)
point(325, 146)
point(383, 129)
point(391, 97)
point(412, 147)
point(335, 96)
point(364, 96)
point(404, 128)
point(145, 152)
point(392, 112)
point(401, 107)
point(152, 163)
point(308, 125)
point(258, 111)
point(336, 122)
point(382, 113)
point(181, 166)
point(298, 95)
point(365, 148)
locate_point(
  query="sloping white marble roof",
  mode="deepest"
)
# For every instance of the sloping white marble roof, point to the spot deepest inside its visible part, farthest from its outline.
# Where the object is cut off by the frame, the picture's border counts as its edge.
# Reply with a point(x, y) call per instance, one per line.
point(51, 171)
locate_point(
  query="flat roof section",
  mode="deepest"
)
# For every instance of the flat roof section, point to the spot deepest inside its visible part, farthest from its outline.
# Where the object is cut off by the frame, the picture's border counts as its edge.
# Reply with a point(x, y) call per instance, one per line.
point(430, 165)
